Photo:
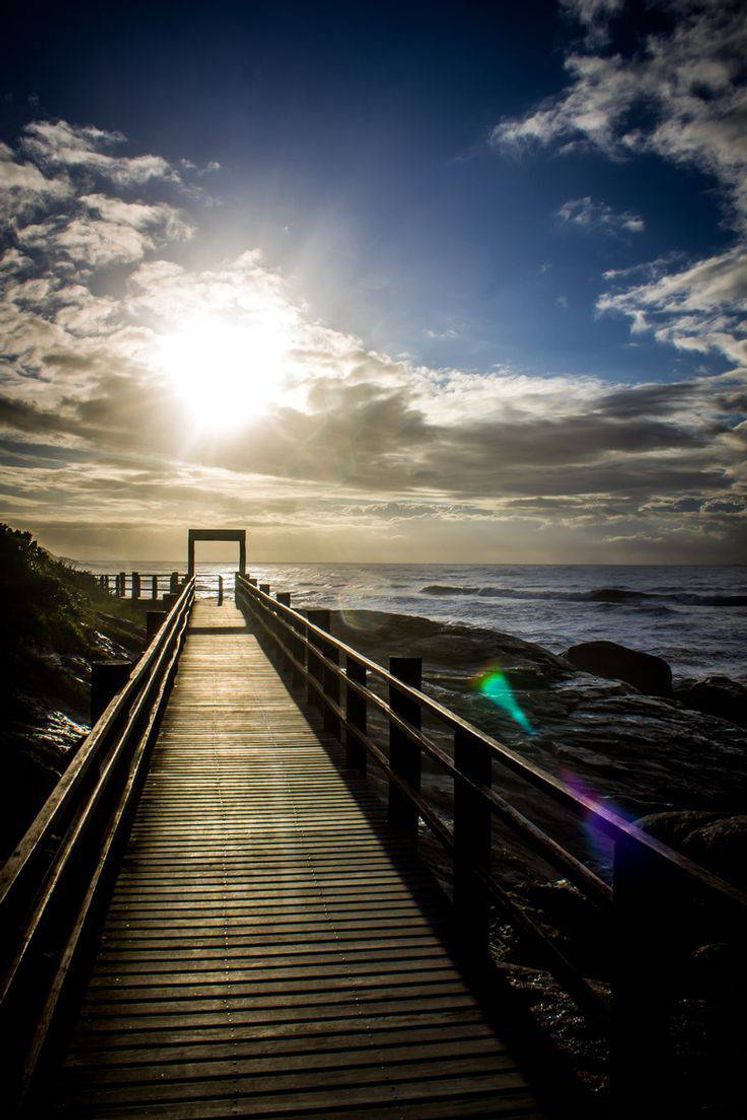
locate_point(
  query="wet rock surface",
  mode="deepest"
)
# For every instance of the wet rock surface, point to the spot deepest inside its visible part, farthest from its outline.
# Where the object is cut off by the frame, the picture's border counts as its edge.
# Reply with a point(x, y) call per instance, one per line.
point(643, 754)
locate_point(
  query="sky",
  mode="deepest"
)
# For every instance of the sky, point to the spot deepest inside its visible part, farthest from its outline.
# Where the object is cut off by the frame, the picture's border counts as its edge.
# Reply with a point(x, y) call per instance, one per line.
point(380, 281)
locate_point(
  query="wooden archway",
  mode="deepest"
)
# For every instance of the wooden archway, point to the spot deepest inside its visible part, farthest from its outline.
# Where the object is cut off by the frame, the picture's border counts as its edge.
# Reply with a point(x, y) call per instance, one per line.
point(238, 535)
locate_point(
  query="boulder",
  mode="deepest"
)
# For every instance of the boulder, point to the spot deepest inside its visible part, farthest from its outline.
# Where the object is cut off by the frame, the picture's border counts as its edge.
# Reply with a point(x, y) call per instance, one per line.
point(717, 696)
point(722, 846)
point(713, 840)
point(644, 671)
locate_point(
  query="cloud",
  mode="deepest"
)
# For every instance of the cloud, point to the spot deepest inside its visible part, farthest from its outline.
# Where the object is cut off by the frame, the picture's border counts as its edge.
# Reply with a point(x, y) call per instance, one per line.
point(677, 94)
point(103, 231)
point(356, 449)
point(24, 188)
point(598, 217)
point(699, 308)
point(51, 212)
point(57, 144)
point(594, 16)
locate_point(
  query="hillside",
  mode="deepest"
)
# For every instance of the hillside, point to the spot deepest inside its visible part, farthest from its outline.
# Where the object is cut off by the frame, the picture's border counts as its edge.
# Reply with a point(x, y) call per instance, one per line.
point(56, 620)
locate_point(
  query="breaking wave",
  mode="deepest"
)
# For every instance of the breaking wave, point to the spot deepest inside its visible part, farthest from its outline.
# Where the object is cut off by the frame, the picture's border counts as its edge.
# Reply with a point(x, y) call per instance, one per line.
point(613, 595)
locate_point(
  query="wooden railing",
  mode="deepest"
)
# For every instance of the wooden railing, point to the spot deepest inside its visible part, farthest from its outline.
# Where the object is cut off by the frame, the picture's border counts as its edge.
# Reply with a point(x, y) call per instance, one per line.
point(53, 884)
point(140, 585)
point(658, 908)
point(152, 585)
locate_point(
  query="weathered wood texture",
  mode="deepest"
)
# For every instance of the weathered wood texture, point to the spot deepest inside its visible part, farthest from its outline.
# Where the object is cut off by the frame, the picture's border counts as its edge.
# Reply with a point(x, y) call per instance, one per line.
point(267, 952)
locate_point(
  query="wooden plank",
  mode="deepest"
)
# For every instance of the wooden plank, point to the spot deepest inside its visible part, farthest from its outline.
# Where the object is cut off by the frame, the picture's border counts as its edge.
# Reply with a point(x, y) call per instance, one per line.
point(486, 1097)
point(291, 1038)
point(269, 949)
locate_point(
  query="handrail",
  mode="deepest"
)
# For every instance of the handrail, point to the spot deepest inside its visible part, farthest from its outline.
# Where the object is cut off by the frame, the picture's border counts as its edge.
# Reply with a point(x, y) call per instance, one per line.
point(47, 884)
point(611, 823)
point(652, 883)
point(86, 755)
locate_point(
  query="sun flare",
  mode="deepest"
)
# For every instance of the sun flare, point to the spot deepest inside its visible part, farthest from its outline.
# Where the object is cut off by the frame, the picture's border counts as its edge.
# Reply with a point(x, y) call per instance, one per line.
point(226, 373)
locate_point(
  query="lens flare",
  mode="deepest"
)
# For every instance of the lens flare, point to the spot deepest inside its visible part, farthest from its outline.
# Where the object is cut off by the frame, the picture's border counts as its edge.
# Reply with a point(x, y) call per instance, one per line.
point(493, 683)
point(599, 843)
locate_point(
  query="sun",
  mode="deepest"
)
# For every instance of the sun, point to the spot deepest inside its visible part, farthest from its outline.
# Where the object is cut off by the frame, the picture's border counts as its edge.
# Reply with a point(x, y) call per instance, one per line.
point(226, 373)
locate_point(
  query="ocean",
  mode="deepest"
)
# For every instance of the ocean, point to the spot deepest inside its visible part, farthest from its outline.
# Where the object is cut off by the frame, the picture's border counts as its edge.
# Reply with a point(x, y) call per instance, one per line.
point(694, 616)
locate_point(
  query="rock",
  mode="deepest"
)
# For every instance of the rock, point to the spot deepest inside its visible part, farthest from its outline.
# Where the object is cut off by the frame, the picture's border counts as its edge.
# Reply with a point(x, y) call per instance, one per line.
point(645, 672)
point(713, 840)
point(673, 828)
point(717, 696)
point(718, 968)
point(380, 634)
point(722, 846)
point(578, 927)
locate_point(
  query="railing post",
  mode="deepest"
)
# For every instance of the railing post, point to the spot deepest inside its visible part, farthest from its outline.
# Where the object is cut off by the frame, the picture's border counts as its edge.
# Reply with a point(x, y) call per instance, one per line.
point(283, 599)
point(313, 665)
point(122, 585)
point(107, 678)
point(154, 587)
point(220, 591)
point(294, 640)
point(356, 712)
point(153, 622)
point(404, 755)
point(135, 589)
point(331, 690)
point(174, 583)
point(314, 668)
point(645, 950)
point(472, 843)
point(265, 587)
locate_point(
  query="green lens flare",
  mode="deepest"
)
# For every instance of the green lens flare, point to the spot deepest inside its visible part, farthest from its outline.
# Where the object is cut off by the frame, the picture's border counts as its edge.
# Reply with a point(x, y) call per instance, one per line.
point(494, 684)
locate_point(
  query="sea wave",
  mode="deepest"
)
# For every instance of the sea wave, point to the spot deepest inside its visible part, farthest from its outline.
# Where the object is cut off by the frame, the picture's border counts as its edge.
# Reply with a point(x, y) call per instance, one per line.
point(612, 595)
point(449, 589)
point(711, 600)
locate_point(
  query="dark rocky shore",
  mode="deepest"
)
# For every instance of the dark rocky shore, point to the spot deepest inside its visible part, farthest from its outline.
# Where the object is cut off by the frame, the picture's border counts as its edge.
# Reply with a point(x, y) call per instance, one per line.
point(656, 759)
point(642, 753)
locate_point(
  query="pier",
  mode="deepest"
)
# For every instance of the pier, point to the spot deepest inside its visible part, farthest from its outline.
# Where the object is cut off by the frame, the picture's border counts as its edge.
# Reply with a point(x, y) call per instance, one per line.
point(222, 909)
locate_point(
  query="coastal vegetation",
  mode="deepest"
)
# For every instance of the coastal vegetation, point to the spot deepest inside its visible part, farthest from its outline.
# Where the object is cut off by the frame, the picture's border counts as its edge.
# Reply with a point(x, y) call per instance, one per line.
point(56, 621)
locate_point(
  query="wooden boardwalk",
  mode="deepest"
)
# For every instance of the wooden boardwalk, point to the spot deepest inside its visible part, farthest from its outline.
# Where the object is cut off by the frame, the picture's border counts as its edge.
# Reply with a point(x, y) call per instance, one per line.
point(268, 952)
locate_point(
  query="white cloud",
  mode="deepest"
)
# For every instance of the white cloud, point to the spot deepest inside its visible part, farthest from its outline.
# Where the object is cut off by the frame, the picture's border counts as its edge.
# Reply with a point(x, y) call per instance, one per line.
point(59, 144)
point(24, 188)
point(81, 227)
point(678, 94)
point(598, 217)
point(688, 83)
point(698, 308)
